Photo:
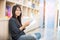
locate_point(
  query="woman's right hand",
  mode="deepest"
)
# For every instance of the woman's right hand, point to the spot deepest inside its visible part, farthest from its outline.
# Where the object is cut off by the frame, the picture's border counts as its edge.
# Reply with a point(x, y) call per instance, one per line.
point(26, 23)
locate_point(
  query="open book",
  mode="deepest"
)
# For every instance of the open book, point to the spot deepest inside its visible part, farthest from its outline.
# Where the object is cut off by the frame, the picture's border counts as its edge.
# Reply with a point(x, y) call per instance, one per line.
point(32, 22)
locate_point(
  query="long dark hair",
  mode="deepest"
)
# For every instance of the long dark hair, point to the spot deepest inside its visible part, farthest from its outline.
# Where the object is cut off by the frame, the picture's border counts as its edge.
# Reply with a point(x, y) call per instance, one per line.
point(13, 13)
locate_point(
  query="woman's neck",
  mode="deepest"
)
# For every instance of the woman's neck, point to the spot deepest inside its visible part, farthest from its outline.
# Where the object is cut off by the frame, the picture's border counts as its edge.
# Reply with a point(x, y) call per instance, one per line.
point(16, 16)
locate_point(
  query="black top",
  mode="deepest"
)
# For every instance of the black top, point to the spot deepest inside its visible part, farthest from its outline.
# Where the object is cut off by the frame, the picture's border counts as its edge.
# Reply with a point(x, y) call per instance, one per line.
point(14, 29)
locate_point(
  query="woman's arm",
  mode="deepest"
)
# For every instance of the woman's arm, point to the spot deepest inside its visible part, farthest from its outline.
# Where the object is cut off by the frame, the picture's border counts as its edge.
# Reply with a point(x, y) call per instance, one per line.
point(22, 28)
point(13, 26)
point(24, 25)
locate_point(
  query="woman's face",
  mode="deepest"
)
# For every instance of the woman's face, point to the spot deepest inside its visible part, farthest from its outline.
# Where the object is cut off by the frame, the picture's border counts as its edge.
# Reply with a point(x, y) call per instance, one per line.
point(17, 12)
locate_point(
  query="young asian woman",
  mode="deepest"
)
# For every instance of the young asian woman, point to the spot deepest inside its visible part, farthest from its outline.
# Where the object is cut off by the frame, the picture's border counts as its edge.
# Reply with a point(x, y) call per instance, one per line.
point(16, 28)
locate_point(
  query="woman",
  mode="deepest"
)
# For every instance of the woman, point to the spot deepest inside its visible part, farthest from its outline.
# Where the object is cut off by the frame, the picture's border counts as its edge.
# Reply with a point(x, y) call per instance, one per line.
point(16, 28)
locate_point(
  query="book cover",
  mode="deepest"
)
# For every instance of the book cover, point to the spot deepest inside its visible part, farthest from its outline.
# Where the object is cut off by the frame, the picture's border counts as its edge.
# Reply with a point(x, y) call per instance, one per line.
point(8, 11)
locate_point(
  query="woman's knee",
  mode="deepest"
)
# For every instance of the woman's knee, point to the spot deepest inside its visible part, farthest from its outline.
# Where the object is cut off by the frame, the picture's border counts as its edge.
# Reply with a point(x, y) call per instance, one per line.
point(27, 37)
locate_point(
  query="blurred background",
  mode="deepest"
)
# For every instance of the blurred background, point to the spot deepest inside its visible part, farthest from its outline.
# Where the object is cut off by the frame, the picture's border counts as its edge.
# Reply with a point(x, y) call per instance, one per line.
point(43, 14)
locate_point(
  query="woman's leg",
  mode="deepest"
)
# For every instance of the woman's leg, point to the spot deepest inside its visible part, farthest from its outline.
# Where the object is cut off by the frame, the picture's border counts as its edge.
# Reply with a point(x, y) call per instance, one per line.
point(26, 37)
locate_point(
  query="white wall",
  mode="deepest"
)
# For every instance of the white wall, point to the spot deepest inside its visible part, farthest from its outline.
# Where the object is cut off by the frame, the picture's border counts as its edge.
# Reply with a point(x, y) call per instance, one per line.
point(41, 13)
point(58, 33)
point(50, 11)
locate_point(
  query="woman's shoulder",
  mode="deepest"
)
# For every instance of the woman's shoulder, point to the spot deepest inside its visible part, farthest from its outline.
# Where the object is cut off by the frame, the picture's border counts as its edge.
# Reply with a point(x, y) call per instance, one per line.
point(12, 19)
